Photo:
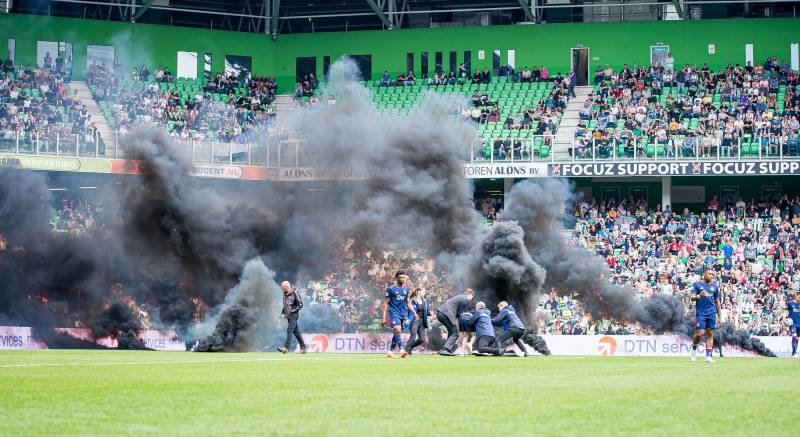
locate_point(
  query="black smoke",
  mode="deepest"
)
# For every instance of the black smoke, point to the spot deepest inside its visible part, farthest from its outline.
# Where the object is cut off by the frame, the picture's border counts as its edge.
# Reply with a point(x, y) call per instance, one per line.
point(320, 317)
point(118, 321)
point(436, 339)
point(727, 334)
point(537, 343)
point(241, 321)
point(540, 209)
point(501, 268)
point(415, 194)
point(45, 274)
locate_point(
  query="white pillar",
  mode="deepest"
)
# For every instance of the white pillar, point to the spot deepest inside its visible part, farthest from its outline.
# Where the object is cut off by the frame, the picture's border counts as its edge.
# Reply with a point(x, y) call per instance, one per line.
point(666, 192)
point(507, 184)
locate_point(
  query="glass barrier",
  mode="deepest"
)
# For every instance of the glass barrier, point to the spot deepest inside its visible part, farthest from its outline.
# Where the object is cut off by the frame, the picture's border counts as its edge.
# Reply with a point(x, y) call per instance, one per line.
point(541, 148)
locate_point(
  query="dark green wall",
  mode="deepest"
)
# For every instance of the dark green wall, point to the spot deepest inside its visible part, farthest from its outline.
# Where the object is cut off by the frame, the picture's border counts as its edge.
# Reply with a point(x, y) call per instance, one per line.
point(135, 44)
point(749, 187)
point(653, 188)
point(547, 44)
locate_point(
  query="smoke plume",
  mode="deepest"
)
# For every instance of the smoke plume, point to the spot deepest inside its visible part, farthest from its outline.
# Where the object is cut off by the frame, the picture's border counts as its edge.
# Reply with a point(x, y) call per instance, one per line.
point(537, 343)
point(45, 274)
point(415, 194)
point(539, 208)
point(244, 316)
point(500, 268)
point(727, 333)
point(118, 321)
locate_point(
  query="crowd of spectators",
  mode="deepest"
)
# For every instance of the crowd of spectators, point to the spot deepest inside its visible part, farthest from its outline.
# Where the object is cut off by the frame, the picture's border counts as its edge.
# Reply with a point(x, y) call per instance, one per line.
point(463, 76)
point(539, 117)
point(305, 87)
point(753, 247)
point(226, 108)
point(355, 282)
point(489, 207)
point(76, 215)
point(37, 108)
point(691, 111)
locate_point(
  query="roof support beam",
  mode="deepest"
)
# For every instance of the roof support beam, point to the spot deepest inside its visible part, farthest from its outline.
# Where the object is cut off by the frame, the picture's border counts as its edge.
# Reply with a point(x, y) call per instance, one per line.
point(276, 6)
point(527, 9)
point(145, 6)
point(678, 8)
point(379, 13)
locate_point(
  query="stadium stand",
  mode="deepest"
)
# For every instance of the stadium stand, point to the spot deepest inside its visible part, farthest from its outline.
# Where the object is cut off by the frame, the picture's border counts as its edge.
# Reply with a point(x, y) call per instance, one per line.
point(752, 245)
point(749, 111)
point(516, 117)
point(225, 108)
point(637, 112)
point(38, 114)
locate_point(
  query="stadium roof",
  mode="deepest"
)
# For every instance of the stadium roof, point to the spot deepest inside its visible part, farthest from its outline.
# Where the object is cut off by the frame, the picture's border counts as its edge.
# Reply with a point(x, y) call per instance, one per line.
point(297, 16)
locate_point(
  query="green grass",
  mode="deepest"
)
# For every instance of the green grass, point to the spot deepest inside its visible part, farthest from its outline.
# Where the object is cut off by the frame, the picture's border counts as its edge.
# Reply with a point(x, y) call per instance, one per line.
point(136, 393)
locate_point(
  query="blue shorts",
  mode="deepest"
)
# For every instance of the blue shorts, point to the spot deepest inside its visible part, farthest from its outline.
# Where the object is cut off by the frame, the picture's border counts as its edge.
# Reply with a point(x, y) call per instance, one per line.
point(463, 327)
point(396, 320)
point(706, 322)
point(794, 329)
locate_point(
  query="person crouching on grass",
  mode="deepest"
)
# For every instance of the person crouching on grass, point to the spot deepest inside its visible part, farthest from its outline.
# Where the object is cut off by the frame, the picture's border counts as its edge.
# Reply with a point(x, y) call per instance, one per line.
point(513, 328)
point(481, 319)
point(397, 306)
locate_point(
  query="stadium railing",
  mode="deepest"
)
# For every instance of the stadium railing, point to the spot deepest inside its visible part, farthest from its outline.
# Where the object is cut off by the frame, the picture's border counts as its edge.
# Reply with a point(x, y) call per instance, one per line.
point(57, 144)
point(750, 148)
point(292, 153)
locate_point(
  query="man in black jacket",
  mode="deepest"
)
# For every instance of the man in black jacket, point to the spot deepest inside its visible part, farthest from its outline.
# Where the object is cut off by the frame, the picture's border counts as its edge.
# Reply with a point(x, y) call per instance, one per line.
point(448, 313)
point(292, 303)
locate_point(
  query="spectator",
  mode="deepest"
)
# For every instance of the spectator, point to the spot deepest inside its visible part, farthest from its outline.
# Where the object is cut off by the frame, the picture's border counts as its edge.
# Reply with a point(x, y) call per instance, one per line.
point(485, 76)
point(386, 80)
point(144, 74)
point(159, 76)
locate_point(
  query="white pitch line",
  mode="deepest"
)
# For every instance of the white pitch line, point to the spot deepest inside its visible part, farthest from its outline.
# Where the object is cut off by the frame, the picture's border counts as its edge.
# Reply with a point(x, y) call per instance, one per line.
point(136, 363)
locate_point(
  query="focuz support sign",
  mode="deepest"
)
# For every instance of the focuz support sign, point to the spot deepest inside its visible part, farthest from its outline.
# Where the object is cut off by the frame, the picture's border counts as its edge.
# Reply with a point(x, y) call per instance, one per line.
point(704, 168)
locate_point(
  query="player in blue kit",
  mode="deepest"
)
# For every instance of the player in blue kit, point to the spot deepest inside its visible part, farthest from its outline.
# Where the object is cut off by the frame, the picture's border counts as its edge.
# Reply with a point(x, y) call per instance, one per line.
point(793, 308)
point(397, 306)
point(706, 295)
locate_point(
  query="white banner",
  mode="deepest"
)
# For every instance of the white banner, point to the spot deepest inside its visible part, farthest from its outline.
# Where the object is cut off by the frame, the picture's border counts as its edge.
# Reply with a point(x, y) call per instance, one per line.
point(564, 345)
point(320, 174)
point(187, 65)
point(216, 171)
point(100, 55)
point(360, 343)
point(647, 345)
point(21, 337)
point(14, 337)
point(505, 170)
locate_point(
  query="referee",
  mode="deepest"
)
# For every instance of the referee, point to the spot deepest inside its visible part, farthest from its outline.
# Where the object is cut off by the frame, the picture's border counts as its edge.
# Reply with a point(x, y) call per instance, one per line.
point(292, 303)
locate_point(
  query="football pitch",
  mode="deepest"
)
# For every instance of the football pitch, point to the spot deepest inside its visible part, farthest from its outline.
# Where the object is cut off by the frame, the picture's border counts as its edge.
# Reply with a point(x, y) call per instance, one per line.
point(161, 393)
